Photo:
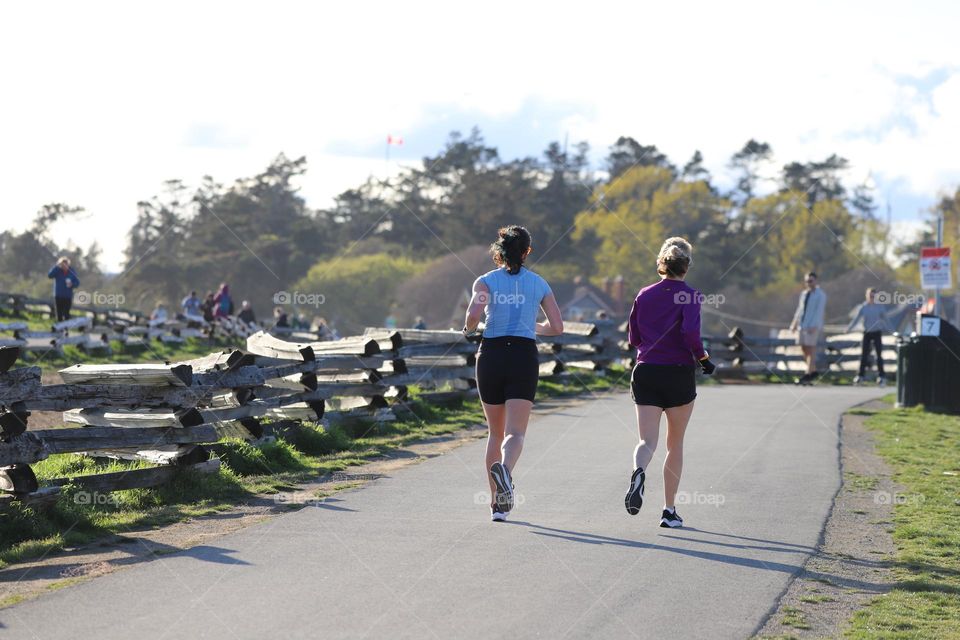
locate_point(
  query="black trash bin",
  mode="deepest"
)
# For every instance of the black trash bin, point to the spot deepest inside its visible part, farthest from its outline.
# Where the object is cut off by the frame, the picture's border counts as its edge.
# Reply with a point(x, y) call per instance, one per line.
point(928, 370)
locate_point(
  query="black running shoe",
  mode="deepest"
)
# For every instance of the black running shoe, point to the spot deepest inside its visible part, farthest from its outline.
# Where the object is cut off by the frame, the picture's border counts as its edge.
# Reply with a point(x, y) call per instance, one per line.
point(634, 499)
point(671, 520)
point(501, 478)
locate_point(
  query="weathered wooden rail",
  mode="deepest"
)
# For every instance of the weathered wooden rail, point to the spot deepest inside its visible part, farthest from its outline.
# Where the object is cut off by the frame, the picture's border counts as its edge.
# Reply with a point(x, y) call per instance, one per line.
point(96, 329)
point(174, 413)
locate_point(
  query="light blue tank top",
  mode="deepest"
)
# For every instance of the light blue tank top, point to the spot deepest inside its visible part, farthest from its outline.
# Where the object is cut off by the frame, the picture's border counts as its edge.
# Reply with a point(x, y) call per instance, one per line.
point(513, 303)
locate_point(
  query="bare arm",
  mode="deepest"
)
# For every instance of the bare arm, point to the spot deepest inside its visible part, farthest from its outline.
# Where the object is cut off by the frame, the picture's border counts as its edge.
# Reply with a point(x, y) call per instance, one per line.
point(795, 323)
point(481, 295)
point(554, 324)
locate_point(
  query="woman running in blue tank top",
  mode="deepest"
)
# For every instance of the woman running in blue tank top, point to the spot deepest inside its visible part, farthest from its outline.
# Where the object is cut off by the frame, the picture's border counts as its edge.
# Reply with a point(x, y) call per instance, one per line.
point(508, 365)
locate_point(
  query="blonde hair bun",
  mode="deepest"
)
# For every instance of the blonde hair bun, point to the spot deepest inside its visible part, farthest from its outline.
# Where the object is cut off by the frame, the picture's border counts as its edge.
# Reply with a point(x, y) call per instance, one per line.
point(674, 258)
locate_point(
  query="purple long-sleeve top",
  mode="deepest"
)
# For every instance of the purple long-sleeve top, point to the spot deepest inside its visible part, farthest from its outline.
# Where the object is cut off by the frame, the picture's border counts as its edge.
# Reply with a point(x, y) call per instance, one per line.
point(665, 324)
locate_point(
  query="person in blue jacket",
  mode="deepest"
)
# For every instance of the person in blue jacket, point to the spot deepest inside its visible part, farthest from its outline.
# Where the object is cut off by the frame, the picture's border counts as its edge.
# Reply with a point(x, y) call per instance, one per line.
point(65, 280)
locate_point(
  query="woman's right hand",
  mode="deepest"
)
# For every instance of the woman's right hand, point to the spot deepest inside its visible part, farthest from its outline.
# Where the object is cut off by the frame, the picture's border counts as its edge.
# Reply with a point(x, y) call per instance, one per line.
point(708, 367)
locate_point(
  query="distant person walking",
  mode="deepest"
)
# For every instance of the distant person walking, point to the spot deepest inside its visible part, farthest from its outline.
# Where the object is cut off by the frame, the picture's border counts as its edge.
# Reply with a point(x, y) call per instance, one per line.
point(246, 314)
point(191, 305)
point(664, 327)
point(875, 324)
point(508, 364)
point(65, 281)
point(808, 322)
point(223, 303)
point(280, 319)
point(323, 329)
point(207, 307)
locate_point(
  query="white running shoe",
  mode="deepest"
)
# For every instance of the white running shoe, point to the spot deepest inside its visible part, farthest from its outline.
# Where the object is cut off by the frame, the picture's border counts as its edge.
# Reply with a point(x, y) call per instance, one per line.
point(504, 483)
point(670, 520)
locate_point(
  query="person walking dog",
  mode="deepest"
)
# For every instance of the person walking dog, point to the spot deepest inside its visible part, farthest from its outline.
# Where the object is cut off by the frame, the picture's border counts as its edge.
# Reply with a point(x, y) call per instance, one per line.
point(664, 327)
point(508, 364)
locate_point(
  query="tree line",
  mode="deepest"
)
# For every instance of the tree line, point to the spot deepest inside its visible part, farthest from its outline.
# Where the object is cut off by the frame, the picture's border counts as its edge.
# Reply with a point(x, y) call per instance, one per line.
point(368, 250)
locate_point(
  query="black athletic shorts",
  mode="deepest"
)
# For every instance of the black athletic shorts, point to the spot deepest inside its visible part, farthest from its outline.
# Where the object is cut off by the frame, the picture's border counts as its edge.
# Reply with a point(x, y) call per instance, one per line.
point(507, 368)
point(663, 385)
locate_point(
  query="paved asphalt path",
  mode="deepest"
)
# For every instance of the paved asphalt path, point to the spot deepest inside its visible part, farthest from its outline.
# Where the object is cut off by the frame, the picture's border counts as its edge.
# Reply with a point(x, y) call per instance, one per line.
point(414, 555)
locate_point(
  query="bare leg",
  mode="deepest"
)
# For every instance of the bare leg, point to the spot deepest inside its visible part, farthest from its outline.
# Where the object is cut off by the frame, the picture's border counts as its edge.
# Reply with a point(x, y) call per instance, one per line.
point(677, 419)
point(517, 417)
point(648, 423)
point(496, 414)
point(810, 356)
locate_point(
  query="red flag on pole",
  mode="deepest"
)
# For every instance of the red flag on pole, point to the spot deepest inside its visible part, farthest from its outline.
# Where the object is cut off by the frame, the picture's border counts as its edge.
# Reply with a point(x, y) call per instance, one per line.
point(394, 140)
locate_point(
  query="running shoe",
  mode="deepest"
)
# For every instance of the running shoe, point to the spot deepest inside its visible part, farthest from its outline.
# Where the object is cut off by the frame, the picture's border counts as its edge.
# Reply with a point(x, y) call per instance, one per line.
point(881, 381)
point(497, 514)
point(501, 478)
point(634, 499)
point(857, 380)
point(671, 519)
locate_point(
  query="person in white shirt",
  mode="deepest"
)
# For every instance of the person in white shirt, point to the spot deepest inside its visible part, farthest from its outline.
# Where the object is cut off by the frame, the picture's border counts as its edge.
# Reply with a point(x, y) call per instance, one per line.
point(159, 315)
point(808, 322)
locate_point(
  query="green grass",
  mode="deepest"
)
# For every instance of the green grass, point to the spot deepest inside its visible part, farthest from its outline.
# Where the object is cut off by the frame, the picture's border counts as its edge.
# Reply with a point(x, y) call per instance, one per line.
point(246, 470)
point(859, 482)
point(817, 599)
point(793, 617)
point(923, 449)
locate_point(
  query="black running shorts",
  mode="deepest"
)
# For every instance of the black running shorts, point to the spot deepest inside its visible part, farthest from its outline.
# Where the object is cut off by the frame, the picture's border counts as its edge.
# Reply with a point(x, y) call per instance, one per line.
point(507, 368)
point(663, 385)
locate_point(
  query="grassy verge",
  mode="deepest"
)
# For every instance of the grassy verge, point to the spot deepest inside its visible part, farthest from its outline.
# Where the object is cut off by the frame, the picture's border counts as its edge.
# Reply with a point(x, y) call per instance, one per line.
point(246, 471)
point(924, 451)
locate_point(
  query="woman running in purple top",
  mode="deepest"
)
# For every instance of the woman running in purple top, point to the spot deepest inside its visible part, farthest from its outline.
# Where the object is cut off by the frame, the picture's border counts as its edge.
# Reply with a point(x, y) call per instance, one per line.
point(665, 329)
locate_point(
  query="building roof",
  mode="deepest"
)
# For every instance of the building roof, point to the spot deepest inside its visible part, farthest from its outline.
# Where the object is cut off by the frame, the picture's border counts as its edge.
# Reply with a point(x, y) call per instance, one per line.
point(582, 295)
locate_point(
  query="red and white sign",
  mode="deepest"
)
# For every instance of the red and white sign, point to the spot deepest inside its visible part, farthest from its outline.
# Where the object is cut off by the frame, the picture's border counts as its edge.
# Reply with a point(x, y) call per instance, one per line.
point(395, 140)
point(935, 268)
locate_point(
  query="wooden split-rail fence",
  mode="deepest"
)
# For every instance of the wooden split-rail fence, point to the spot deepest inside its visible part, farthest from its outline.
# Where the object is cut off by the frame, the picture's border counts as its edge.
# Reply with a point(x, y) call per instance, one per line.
point(173, 414)
point(95, 330)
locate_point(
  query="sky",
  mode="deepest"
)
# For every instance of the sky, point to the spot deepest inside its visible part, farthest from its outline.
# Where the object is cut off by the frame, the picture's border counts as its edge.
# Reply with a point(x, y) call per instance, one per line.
point(102, 102)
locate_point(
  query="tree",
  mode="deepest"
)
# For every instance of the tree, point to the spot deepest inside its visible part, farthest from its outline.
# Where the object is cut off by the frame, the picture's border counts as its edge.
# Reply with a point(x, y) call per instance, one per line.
point(353, 291)
point(863, 202)
point(639, 211)
point(748, 162)
point(694, 169)
point(816, 181)
point(256, 234)
point(627, 153)
point(26, 257)
point(565, 193)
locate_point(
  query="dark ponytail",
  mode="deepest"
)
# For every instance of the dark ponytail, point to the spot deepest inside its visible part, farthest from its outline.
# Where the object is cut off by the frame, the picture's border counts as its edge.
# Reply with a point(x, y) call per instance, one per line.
point(511, 247)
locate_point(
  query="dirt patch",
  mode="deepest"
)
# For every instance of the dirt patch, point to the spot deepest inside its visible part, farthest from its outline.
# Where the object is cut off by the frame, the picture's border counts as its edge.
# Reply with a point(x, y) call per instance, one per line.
point(852, 565)
point(61, 568)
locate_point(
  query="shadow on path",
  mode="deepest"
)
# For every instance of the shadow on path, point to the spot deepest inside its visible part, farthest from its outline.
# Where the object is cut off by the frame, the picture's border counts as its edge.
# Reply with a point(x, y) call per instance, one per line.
point(754, 563)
